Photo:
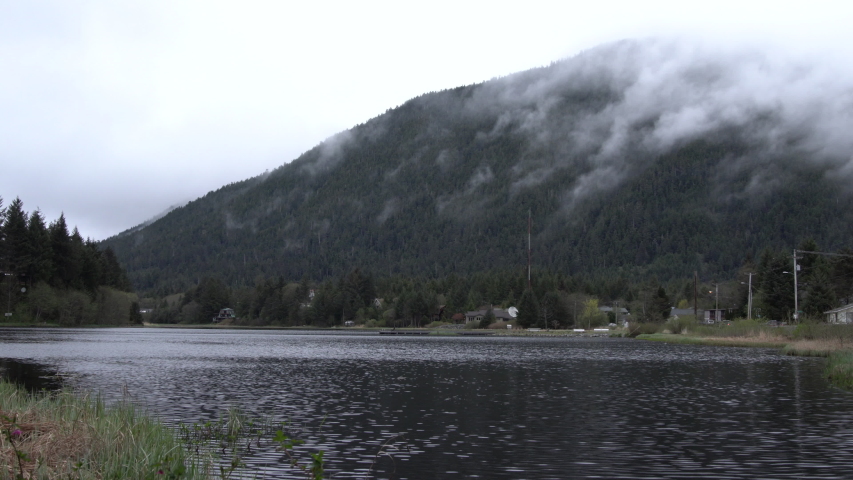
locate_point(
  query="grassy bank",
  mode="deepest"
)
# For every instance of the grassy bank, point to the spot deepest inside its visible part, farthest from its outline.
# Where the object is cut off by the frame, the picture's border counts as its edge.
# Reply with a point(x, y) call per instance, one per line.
point(835, 342)
point(60, 435)
point(684, 339)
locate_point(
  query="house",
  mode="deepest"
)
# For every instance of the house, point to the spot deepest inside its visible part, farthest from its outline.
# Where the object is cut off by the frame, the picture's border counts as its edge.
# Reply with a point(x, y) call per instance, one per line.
point(681, 312)
point(224, 314)
point(714, 315)
point(840, 315)
point(501, 315)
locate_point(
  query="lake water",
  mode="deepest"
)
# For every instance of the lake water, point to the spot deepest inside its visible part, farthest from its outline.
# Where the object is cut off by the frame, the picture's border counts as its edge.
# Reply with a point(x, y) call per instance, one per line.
point(484, 407)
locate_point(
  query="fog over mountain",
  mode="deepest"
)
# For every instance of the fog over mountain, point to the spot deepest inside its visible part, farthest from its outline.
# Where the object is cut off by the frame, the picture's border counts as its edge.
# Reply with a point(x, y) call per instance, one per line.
point(638, 157)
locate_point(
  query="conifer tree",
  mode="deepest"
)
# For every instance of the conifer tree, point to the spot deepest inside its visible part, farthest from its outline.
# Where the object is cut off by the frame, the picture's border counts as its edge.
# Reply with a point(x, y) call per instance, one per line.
point(820, 296)
point(60, 245)
point(528, 309)
point(41, 255)
point(661, 306)
point(16, 239)
point(488, 319)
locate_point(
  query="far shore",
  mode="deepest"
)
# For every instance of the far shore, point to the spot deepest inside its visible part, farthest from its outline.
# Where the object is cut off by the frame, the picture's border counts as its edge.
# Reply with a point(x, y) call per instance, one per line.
point(619, 332)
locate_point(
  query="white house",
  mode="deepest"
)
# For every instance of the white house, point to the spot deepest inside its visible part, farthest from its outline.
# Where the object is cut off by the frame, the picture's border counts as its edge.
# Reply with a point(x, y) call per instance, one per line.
point(840, 315)
point(501, 315)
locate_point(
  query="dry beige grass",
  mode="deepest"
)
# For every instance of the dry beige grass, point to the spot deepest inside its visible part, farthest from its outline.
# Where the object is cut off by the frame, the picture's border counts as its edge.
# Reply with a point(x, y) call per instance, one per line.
point(816, 348)
point(49, 445)
point(71, 437)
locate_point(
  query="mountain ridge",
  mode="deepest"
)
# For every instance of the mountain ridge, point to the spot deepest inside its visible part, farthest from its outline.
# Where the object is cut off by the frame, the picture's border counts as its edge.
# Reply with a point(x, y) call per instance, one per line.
point(635, 158)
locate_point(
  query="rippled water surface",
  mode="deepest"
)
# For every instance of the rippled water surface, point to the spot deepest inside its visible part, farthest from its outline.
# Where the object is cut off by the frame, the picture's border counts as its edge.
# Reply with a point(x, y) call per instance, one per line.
point(480, 407)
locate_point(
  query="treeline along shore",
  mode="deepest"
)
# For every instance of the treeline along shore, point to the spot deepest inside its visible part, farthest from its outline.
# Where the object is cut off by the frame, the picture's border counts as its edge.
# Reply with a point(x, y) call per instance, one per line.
point(56, 277)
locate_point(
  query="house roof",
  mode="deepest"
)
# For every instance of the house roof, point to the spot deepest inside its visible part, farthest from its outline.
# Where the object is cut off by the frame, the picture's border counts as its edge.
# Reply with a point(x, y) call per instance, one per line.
point(622, 310)
point(499, 313)
point(845, 308)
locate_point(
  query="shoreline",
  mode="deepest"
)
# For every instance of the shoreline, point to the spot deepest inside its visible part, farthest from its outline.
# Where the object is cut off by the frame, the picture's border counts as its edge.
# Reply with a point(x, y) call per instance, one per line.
point(476, 332)
point(839, 354)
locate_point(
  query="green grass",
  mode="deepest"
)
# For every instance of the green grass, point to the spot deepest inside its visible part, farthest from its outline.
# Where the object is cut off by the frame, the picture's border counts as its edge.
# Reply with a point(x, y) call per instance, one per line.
point(60, 435)
point(738, 328)
point(835, 342)
point(839, 369)
point(714, 341)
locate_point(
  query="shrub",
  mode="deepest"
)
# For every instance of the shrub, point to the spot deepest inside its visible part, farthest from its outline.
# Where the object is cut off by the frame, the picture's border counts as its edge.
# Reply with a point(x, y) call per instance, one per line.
point(374, 323)
point(637, 328)
point(437, 324)
point(738, 328)
point(679, 324)
point(823, 331)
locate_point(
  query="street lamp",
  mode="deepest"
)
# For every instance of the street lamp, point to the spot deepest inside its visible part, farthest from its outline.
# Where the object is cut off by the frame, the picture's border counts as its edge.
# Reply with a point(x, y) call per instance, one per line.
point(716, 293)
point(749, 298)
point(796, 300)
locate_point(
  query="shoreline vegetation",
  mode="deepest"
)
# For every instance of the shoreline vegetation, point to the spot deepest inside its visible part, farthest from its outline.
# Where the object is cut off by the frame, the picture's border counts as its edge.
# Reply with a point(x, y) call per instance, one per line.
point(831, 341)
point(65, 435)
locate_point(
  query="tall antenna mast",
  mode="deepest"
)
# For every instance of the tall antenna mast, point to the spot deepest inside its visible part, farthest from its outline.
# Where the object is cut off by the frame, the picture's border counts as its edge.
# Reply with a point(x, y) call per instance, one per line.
point(528, 248)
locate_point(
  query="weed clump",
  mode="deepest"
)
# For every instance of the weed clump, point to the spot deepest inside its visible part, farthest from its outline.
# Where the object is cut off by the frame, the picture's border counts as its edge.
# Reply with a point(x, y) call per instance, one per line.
point(60, 435)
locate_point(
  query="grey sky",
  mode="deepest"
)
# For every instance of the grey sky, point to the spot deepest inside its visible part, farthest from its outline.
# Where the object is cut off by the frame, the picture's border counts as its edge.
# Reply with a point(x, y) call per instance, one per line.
point(114, 111)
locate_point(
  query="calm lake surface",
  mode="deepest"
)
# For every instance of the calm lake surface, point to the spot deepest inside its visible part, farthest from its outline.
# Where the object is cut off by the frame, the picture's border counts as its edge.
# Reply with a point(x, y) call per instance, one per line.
point(489, 407)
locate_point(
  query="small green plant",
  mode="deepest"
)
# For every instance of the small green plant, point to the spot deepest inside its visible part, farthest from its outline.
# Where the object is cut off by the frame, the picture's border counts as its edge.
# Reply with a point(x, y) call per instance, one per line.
point(315, 470)
point(839, 369)
point(638, 328)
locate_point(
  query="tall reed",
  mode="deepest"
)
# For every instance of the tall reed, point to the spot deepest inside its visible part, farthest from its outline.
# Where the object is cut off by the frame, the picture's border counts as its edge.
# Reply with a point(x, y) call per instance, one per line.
point(60, 435)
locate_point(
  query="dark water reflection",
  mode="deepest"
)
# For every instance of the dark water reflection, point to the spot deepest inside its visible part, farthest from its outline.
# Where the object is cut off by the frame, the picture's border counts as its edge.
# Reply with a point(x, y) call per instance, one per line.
point(32, 376)
point(483, 407)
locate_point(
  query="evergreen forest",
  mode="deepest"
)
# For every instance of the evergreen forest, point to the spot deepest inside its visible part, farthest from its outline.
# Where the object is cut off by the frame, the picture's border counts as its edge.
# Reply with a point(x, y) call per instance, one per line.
point(549, 300)
point(53, 276)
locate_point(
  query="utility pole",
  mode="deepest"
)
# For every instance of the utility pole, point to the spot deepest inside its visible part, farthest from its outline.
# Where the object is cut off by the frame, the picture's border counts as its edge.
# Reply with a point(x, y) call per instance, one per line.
point(529, 221)
point(749, 301)
point(796, 302)
point(797, 268)
point(695, 295)
point(616, 313)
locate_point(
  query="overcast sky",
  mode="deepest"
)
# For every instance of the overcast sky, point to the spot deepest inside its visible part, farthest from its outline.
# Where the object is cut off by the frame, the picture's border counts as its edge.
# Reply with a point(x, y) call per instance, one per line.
point(114, 111)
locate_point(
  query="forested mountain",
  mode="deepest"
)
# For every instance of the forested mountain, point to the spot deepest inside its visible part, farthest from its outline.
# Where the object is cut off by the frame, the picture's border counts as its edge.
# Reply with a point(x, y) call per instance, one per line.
point(634, 159)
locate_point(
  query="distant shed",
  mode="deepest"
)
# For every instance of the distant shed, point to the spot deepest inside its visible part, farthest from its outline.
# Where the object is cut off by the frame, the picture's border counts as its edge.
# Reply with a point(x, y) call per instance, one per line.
point(840, 315)
point(224, 314)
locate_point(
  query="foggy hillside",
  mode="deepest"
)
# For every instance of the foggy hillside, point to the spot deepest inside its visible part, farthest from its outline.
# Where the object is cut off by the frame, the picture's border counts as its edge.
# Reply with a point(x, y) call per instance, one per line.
point(635, 158)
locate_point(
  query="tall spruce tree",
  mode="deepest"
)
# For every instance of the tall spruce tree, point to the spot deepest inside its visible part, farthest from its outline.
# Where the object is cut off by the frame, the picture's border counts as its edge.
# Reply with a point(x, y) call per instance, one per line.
point(820, 296)
point(41, 255)
point(528, 309)
point(60, 245)
point(16, 239)
point(776, 287)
